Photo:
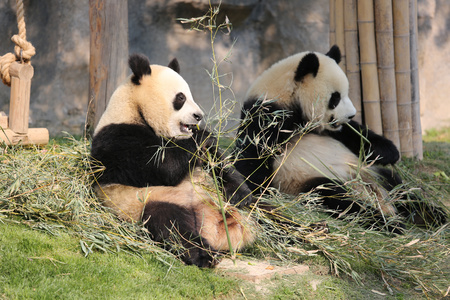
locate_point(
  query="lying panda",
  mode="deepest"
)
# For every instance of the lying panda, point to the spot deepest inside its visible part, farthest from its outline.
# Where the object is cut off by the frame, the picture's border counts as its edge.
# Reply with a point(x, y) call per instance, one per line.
point(153, 158)
point(297, 135)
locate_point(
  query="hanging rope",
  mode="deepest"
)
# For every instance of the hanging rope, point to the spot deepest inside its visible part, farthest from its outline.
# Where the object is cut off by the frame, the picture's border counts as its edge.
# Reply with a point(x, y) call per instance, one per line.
point(23, 51)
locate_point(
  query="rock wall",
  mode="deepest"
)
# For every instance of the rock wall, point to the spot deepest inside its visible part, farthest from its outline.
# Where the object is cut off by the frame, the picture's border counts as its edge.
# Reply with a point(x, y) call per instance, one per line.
point(263, 32)
point(434, 62)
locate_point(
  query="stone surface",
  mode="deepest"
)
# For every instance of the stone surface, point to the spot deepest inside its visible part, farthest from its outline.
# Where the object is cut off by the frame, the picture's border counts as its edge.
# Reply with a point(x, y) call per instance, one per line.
point(255, 271)
point(434, 62)
point(263, 32)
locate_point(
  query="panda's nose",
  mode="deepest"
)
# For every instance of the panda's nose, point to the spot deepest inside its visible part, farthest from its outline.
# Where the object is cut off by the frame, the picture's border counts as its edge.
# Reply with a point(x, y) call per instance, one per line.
point(351, 117)
point(198, 117)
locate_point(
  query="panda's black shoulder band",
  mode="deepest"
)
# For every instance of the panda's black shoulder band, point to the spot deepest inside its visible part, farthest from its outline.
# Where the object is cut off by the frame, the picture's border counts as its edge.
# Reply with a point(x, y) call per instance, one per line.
point(140, 66)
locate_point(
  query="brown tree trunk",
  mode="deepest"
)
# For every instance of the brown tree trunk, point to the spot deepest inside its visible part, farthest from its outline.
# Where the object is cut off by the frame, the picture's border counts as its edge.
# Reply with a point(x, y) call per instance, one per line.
point(108, 54)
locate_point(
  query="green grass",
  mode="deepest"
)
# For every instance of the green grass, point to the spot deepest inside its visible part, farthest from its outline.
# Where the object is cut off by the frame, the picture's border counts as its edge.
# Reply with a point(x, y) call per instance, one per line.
point(35, 265)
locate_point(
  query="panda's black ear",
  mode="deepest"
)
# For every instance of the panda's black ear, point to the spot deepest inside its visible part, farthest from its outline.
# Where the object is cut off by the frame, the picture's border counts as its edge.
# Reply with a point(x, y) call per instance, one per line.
point(174, 65)
point(140, 66)
point(308, 65)
point(335, 53)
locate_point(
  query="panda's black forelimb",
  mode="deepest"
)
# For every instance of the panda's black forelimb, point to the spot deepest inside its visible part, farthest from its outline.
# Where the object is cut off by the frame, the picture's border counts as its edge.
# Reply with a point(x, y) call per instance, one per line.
point(376, 147)
point(167, 221)
point(269, 127)
point(232, 182)
point(134, 155)
point(235, 187)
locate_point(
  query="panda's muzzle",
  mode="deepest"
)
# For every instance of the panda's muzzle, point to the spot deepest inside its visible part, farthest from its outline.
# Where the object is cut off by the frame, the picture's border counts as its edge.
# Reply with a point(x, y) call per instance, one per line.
point(188, 128)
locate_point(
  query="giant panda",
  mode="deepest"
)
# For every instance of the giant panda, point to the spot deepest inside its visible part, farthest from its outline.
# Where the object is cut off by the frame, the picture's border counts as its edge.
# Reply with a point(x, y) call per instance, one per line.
point(297, 135)
point(154, 166)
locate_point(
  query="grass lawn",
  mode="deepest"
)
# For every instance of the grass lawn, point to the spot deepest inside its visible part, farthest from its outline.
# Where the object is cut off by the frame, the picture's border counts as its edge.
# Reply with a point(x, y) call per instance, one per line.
point(57, 242)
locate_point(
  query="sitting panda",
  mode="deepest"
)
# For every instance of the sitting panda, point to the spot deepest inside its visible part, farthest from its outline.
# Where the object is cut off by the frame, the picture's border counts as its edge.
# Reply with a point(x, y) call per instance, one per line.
point(154, 159)
point(297, 135)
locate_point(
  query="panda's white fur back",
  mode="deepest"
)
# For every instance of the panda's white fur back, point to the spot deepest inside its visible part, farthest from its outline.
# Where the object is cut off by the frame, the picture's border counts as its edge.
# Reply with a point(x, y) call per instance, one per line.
point(299, 162)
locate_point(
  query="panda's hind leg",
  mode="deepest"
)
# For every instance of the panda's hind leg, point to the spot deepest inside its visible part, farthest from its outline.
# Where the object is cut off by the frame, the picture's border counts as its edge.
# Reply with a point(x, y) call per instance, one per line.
point(411, 207)
point(338, 199)
point(166, 221)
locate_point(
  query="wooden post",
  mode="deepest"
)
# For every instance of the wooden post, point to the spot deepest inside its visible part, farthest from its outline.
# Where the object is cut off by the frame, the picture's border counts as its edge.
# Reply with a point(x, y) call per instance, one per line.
point(108, 54)
point(403, 74)
point(386, 69)
point(352, 53)
point(415, 95)
point(19, 104)
point(369, 73)
point(340, 35)
point(332, 22)
point(14, 130)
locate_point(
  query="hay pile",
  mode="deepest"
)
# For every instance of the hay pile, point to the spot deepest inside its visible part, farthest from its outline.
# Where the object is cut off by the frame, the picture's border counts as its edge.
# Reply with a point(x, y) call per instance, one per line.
point(49, 188)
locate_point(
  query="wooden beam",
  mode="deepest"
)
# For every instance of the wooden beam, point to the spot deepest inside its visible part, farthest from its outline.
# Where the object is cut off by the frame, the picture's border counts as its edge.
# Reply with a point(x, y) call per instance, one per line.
point(108, 54)
point(34, 136)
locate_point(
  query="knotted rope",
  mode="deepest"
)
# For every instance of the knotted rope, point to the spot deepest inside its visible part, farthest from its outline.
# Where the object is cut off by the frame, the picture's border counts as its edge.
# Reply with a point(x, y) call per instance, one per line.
point(23, 51)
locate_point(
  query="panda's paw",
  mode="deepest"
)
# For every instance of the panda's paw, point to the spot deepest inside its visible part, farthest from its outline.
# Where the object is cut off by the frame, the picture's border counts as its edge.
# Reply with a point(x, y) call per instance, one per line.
point(385, 154)
point(238, 194)
point(201, 257)
point(205, 140)
point(241, 199)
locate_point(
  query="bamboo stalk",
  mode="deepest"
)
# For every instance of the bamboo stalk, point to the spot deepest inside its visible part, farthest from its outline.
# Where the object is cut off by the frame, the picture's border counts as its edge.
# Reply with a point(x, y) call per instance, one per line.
point(351, 49)
point(403, 74)
point(340, 39)
point(415, 94)
point(369, 74)
point(386, 69)
point(332, 23)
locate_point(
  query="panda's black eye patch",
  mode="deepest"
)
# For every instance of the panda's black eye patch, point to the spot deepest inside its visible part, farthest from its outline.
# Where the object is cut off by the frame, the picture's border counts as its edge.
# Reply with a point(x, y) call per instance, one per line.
point(334, 100)
point(178, 103)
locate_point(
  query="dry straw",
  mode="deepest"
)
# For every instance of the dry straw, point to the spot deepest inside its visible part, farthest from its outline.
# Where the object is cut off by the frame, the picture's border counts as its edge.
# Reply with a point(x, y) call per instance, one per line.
point(50, 189)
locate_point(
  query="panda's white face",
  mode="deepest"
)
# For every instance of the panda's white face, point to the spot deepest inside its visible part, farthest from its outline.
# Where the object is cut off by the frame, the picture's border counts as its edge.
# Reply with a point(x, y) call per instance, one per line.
point(312, 81)
point(156, 96)
point(324, 97)
point(164, 100)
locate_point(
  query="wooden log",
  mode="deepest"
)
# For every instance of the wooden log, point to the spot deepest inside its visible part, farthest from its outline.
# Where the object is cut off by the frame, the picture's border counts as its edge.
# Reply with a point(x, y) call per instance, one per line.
point(403, 74)
point(369, 73)
point(415, 93)
point(3, 120)
point(332, 23)
point(386, 69)
point(352, 53)
point(19, 104)
point(108, 54)
point(340, 34)
point(34, 136)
